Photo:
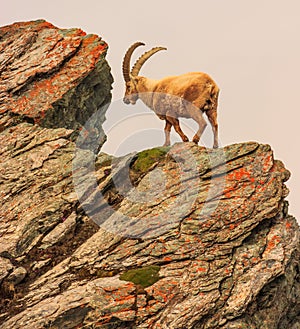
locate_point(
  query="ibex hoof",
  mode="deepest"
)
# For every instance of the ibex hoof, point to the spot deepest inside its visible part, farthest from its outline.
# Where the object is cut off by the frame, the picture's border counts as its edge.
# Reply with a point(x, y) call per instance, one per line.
point(185, 139)
point(196, 139)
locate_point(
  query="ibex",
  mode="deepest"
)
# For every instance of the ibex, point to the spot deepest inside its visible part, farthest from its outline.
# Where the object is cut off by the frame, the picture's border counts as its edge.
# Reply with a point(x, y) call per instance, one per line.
point(188, 95)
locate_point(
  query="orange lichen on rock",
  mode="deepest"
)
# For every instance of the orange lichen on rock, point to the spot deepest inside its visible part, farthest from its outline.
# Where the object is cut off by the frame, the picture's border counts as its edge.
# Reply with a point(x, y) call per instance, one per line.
point(51, 64)
point(272, 243)
point(239, 174)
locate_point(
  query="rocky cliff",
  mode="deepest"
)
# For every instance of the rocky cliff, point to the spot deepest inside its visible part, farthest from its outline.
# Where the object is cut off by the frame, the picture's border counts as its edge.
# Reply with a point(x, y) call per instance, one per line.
point(180, 237)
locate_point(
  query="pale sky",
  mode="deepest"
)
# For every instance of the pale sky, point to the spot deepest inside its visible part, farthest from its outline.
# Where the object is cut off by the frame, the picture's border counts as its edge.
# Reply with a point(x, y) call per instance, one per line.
point(250, 48)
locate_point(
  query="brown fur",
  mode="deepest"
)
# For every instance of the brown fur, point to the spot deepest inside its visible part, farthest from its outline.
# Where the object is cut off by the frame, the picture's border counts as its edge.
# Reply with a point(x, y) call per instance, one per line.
point(188, 95)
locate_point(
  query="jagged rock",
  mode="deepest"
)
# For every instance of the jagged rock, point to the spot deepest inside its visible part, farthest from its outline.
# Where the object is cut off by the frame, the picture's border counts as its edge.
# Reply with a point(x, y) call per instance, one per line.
point(60, 232)
point(223, 263)
point(17, 275)
point(5, 268)
point(186, 238)
point(51, 82)
point(50, 76)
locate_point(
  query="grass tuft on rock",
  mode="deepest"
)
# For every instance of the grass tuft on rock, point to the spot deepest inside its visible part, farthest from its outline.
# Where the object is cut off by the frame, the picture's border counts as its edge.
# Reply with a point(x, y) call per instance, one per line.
point(146, 159)
point(144, 276)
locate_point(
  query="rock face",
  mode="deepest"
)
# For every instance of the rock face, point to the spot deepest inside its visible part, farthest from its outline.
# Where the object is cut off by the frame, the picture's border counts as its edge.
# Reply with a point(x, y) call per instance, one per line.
point(180, 237)
point(51, 77)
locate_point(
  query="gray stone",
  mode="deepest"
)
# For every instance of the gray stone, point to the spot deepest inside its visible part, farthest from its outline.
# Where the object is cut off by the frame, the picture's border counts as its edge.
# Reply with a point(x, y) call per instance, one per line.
point(60, 232)
point(5, 268)
point(17, 275)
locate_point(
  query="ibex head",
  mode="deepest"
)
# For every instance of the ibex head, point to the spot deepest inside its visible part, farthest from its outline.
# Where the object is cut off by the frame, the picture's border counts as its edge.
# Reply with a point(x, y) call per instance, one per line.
point(131, 77)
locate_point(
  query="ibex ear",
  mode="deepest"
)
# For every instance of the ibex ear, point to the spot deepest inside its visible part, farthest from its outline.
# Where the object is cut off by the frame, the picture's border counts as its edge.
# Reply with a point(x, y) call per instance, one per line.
point(135, 79)
point(138, 78)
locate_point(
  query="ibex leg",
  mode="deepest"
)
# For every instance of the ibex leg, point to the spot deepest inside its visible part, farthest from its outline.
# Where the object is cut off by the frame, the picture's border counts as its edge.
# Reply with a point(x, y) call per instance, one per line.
point(175, 122)
point(212, 117)
point(198, 117)
point(168, 127)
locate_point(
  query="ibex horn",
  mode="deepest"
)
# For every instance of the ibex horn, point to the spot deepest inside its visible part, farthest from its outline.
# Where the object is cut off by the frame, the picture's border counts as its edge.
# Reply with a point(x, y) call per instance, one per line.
point(126, 60)
point(139, 63)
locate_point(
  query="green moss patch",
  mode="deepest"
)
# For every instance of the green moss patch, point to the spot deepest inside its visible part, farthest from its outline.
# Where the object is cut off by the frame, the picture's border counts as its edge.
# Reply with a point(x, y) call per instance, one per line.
point(144, 276)
point(144, 160)
point(147, 158)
